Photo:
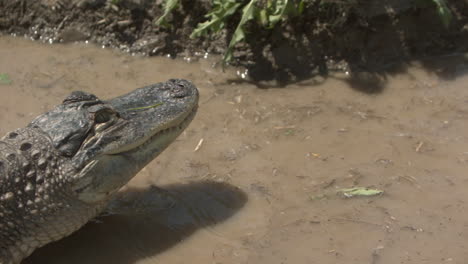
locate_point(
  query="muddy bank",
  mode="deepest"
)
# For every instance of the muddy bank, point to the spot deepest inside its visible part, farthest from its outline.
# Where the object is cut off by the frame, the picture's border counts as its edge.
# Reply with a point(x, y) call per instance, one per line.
point(327, 38)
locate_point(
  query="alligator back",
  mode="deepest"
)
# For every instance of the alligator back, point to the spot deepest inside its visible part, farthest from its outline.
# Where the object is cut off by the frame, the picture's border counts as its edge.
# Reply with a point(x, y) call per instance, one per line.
point(63, 168)
point(36, 203)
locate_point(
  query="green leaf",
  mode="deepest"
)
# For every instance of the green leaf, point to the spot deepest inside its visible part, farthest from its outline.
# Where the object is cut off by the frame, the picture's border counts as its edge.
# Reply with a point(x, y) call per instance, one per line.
point(169, 6)
point(359, 191)
point(219, 14)
point(263, 17)
point(301, 7)
point(289, 132)
point(5, 78)
point(266, 13)
point(279, 12)
point(239, 34)
point(444, 12)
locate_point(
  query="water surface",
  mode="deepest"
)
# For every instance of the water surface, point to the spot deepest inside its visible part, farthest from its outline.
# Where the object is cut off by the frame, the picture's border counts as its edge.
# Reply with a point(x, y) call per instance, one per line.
point(261, 188)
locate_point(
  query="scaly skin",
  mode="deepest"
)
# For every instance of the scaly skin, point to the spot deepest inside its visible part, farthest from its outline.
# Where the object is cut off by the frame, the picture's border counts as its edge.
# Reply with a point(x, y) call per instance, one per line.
point(63, 168)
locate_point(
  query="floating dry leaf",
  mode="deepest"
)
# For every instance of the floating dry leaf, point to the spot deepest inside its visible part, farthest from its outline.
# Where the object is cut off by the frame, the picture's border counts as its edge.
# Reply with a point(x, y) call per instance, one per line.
point(359, 191)
point(199, 145)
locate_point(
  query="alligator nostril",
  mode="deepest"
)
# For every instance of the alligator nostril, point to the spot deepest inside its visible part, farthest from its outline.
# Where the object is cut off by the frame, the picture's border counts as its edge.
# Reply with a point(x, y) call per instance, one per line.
point(178, 89)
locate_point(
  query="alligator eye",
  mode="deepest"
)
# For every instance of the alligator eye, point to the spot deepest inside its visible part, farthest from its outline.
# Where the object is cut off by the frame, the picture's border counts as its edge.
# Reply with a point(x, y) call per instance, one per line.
point(103, 116)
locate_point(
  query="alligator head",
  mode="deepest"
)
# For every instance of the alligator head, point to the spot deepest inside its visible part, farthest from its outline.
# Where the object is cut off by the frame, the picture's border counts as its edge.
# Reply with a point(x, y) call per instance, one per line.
point(107, 142)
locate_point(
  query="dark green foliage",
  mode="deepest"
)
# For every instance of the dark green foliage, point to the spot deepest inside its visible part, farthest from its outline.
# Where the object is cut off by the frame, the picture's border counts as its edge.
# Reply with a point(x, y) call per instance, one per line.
point(266, 13)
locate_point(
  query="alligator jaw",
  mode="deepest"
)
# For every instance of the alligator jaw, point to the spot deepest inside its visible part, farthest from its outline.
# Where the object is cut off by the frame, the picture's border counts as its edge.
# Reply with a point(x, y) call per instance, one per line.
point(172, 128)
point(142, 135)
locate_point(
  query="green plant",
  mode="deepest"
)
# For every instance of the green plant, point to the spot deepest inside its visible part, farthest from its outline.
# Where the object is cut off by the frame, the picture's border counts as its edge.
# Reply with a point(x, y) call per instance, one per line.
point(169, 6)
point(239, 34)
point(217, 17)
point(444, 12)
point(441, 7)
point(5, 78)
point(275, 11)
point(266, 13)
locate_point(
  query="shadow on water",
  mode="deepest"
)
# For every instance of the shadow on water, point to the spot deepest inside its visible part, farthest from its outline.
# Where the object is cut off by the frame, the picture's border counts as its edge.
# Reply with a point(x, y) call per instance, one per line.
point(369, 49)
point(144, 223)
point(368, 80)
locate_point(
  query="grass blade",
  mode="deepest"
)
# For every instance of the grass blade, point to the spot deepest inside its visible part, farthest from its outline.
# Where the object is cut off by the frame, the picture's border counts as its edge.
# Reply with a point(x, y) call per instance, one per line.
point(247, 14)
point(444, 12)
point(169, 6)
point(220, 13)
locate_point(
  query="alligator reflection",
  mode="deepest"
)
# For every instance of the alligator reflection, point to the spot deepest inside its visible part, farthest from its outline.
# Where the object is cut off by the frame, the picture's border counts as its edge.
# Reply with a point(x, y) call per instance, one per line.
point(144, 223)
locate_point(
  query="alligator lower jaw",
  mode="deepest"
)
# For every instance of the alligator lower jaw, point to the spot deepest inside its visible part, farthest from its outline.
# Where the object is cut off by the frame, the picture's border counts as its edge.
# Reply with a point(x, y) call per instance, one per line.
point(175, 129)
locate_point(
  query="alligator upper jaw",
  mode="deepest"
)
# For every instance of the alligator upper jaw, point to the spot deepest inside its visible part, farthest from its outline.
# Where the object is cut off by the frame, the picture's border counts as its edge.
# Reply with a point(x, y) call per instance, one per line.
point(150, 114)
point(166, 133)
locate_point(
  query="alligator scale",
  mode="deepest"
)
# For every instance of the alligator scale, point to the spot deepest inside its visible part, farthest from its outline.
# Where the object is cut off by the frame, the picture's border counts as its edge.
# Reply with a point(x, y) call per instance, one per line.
point(61, 170)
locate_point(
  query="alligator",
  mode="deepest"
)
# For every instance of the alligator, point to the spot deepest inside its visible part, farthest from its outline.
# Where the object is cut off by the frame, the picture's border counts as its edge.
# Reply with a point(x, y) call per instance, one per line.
point(63, 168)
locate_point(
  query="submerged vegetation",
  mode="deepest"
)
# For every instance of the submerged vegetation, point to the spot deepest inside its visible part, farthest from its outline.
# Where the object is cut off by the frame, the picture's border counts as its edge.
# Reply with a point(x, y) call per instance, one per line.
point(268, 13)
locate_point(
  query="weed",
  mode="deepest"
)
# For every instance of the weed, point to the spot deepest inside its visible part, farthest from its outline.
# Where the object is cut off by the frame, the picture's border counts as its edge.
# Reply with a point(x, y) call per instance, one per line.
point(266, 13)
point(5, 78)
point(444, 12)
point(169, 6)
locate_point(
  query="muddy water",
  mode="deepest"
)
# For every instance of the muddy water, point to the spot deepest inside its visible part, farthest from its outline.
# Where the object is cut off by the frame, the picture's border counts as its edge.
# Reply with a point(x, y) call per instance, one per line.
point(262, 186)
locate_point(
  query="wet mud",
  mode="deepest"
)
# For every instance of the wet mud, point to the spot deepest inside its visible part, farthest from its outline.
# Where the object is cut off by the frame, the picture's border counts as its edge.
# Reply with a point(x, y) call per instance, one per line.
point(255, 177)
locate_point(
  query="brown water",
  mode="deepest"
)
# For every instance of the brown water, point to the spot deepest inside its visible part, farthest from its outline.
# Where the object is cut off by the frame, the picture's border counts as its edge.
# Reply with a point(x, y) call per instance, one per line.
point(262, 186)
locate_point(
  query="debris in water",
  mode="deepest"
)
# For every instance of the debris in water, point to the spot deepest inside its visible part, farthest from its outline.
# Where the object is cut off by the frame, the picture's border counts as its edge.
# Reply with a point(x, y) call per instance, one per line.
point(359, 191)
point(311, 154)
point(198, 145)
point(238, 99)
point(5, 78)
point(284, 127)
point(418, 148)
point(289, 132)
point(318, 197)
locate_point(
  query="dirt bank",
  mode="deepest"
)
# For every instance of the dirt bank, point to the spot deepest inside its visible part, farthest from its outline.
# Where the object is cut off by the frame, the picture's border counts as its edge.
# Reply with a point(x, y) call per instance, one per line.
point(360, 38)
